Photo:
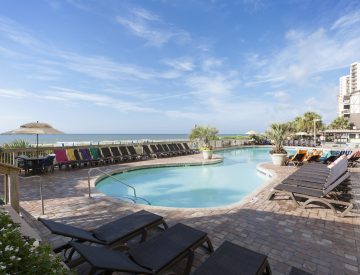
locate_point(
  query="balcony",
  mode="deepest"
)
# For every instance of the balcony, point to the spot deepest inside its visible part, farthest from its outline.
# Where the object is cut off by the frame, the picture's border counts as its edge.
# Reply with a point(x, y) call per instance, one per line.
point(346, 111)
point(346, 102)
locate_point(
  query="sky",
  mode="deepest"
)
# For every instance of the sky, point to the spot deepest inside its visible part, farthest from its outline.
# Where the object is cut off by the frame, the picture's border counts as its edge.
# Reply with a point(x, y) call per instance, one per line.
point(112, 66)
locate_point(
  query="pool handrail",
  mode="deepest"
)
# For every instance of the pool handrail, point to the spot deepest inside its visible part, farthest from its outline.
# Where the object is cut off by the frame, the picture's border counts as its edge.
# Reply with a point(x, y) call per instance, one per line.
point(111, 176)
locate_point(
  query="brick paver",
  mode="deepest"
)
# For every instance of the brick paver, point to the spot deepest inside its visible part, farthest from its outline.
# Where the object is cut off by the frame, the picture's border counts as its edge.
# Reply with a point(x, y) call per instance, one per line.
point(312, 239)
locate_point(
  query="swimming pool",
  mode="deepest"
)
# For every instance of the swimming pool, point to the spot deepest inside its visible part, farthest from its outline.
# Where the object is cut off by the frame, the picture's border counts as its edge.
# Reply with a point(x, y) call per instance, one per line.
point(194, 186)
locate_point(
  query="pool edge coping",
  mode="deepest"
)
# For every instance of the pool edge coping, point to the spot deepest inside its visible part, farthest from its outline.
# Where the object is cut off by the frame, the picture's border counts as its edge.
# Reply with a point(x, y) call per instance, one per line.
point(249, 198)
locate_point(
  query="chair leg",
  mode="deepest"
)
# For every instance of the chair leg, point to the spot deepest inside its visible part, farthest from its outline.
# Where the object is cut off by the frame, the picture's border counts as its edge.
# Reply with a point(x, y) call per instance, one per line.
point(189, 262)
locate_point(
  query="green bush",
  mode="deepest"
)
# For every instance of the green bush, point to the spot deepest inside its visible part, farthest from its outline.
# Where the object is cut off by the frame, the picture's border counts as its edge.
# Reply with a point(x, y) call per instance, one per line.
point(24, 255)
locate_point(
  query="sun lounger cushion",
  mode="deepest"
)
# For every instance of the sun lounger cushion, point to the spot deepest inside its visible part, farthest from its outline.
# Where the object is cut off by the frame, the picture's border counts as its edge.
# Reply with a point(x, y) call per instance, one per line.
point(125, 226)
point(231, 259)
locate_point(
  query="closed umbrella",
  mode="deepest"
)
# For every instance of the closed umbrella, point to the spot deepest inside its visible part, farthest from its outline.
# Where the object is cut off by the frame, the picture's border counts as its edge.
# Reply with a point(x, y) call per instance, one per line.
point(34, 128)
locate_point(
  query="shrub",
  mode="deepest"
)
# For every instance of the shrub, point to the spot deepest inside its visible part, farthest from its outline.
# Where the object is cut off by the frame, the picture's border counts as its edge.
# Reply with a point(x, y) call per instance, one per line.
point(24, 255)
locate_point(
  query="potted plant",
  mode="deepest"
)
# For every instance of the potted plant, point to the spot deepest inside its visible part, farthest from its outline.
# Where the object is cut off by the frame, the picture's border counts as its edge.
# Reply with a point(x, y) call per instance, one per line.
point(277, 134)
point(204, 134)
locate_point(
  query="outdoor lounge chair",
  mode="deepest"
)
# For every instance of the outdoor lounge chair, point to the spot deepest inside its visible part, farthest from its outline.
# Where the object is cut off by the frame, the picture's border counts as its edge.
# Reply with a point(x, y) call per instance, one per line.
point(163, 151)
point(316, 189)
point(177, 148)
point(232, 259)
point(133, 153)
point(157, 152)
point(297, 159)
point(112, 233)
point(147, 152)
point(71, 156)
point(353, 159)
point(96, 154)
point(125, 153)
point(173, 149)
point(116, 154)
point(166, 149)
point(186, 152)
point(188, 148)
point(329, 157)
point(79, 158)
point(86, 155)
point(61, 158)
point(106, 154)
point(150, 257)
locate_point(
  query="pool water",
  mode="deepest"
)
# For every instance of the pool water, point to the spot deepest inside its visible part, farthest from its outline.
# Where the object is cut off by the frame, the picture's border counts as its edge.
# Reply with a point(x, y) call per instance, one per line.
point(194, 186)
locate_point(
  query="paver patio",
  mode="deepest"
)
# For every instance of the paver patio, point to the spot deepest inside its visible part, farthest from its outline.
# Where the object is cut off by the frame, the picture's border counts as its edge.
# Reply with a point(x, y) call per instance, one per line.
point(313, 239)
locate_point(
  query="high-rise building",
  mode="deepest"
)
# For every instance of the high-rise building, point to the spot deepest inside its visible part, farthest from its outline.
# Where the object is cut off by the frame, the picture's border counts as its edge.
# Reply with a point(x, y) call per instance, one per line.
point(349, 96)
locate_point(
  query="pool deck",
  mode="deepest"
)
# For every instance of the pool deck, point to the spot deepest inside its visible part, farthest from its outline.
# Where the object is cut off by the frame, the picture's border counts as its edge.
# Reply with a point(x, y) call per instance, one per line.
point(313, 239)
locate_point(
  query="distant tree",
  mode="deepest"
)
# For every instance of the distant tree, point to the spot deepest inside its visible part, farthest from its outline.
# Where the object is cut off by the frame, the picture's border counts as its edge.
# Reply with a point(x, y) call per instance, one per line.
point(18, 143)
point(340, 123)
point(204, 134)
point(305, 123)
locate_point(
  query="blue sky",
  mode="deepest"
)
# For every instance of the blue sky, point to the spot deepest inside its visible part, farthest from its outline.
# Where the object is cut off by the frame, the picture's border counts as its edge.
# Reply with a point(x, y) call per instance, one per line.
point(163, 66)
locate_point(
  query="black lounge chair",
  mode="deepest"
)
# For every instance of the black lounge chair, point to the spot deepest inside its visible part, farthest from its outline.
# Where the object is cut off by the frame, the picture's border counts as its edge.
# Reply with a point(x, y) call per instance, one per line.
point(116, 154)
point(173, 150)
point(183, 149)
point(125, 154)
point(151, 257)
point(166, 149)
point(106, 155)
point(162, 150)
point(112, 233)
point(133, 153)
point(178, 150)
point(188, 148)
point(157, 152)
point(317, 189)
point(231, 259)
point(147, 152)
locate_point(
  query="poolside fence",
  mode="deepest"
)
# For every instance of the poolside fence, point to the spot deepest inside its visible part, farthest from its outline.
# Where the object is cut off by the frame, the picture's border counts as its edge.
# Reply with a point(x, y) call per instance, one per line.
point(8, 156)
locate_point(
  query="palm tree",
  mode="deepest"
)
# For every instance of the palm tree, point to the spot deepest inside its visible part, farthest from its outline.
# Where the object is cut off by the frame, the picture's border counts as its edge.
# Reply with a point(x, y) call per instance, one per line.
point(204, 134)
point(277, 132)
point(340, 123)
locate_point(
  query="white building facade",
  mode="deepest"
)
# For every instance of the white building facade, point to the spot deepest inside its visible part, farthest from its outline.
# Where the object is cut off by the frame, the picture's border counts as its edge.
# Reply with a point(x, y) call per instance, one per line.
point(349, 96)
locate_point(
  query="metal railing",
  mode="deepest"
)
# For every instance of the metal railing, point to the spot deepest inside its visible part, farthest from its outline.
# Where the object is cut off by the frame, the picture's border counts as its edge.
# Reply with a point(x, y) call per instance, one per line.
point(135, 197)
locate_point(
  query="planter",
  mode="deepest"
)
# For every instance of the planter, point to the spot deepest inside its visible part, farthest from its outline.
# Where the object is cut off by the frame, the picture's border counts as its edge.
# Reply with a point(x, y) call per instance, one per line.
point(278, 159)
point(207, 154)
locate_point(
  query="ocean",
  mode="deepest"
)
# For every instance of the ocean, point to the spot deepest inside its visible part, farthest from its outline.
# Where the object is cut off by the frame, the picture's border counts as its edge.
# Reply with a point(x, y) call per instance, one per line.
point(73, 139)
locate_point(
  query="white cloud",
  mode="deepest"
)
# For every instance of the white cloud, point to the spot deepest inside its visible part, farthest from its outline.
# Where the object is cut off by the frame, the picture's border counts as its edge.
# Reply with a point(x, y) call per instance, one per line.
point(15, 33)
point(75, 96)
point(12, 93)
point(211, 62)
point(306, 55)
point(347, 20)
point(279, 95)
point(150, 27)
point(181, 64)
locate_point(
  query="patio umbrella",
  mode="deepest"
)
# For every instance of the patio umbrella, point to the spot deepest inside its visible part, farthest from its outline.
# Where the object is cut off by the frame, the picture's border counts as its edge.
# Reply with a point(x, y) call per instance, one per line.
point(34, 128)
point(251, 132)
